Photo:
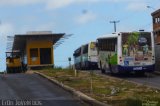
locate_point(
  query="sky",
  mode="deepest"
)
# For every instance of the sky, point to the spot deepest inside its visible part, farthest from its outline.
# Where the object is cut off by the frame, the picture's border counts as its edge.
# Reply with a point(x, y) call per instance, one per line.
point(86, 20)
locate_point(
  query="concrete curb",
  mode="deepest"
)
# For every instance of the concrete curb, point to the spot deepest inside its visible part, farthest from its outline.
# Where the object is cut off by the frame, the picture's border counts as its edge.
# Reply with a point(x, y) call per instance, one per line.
point(80, 95)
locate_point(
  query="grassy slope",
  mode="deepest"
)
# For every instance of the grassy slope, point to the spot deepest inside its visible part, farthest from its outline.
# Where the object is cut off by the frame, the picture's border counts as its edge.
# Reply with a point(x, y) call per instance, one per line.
point(126, 93)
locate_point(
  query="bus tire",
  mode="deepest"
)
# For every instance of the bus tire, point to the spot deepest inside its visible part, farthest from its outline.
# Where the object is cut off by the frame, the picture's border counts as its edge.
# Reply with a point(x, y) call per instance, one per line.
point(141, 73)
point(103, 71)
point(110, 68)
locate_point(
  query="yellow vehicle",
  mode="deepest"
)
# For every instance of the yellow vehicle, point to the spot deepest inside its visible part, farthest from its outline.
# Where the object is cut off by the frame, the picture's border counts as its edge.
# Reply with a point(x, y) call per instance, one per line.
point(14, 62)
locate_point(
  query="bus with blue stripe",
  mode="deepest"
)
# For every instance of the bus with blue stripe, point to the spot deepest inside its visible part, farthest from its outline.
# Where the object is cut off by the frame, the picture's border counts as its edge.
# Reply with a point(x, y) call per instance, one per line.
point(85, 57)
point(126, 52)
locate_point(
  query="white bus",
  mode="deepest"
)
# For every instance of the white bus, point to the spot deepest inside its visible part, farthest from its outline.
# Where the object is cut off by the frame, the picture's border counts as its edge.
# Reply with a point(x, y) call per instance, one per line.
point(126, 52)
point(85, 57)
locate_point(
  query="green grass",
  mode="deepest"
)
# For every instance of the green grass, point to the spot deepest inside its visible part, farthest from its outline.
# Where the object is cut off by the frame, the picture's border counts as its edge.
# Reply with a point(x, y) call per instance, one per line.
point(127, 94)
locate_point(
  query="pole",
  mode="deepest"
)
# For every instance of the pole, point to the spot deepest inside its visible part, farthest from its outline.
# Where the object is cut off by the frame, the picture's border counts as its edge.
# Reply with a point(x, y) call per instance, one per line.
point(114, 22)
point(69, 59)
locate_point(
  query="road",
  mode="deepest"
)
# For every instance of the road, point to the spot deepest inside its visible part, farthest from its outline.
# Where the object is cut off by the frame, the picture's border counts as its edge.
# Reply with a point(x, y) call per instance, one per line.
point(31, 89)
point(152, 80)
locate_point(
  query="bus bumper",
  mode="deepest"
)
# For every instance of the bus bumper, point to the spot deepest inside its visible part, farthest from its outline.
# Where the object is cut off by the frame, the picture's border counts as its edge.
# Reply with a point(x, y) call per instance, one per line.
point(91, 65)
point(149, 68)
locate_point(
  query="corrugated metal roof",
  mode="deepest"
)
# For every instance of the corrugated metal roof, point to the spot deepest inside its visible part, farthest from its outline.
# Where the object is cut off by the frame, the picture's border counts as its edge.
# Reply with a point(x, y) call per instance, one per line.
point(20, 40)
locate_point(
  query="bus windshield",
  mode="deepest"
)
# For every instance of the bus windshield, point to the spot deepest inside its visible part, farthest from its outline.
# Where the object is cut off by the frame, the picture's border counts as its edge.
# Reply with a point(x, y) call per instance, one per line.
point(93, 49)
point(77, 52)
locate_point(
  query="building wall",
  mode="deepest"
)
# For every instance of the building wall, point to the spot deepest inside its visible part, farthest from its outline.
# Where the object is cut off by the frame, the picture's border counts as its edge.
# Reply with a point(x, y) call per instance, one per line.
point(156, 30)
point(156, 21)
point(37, 45)
point(156, 25)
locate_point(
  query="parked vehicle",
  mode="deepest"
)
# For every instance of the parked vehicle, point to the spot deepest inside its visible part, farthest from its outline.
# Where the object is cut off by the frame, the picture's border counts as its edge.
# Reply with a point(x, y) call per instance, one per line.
point(14, 62)
point(85, 57)
point(126, 52)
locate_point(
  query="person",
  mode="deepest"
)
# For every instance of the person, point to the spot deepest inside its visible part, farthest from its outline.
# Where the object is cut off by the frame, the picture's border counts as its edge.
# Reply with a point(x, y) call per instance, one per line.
point(145, 49)
point(125, 49)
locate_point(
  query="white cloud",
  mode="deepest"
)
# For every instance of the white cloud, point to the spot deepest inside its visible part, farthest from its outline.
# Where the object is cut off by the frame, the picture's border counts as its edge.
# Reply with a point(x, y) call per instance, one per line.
point(132, 5)
point(45, 27)
point(54, 4)
point(126, 0)
point(137, 6)
point(49, 4)
point(6, 28)
point(85, 18)
point(18, 2)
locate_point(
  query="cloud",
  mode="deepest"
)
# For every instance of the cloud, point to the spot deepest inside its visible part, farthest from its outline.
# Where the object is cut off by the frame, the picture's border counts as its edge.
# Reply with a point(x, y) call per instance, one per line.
point(6, 28)
point(137, 6)
point(125, 0)
point(18, 2)
point(46, 27)
point(49, 4)
point(85, 18)
point(54, 4)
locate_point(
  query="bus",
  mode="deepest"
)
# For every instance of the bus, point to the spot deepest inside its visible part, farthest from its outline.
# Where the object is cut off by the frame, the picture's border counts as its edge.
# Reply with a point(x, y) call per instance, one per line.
point(126, 52)
point(14, 62)
point(85, 57)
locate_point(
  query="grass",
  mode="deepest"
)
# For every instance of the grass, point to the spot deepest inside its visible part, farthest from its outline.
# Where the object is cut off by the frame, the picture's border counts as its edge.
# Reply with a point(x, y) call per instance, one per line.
point(106, 89)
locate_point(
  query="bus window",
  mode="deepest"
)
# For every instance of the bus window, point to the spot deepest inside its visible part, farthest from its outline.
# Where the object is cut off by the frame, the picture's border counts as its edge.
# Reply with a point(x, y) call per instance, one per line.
point(85, 49)
point(107, 44)
point(77, 52)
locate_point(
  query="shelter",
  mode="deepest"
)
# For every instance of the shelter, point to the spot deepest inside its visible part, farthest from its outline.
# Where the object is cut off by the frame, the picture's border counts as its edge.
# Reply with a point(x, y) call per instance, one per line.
point(37, 47)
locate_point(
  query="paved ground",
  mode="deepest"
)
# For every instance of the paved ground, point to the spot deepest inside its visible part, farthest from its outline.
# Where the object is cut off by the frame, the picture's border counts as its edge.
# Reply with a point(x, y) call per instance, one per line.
point(152, 80)
point(35, 90)
point(147, 79)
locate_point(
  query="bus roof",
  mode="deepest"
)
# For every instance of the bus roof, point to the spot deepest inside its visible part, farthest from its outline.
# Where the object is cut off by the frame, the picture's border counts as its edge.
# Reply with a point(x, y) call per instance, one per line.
point(83, 45)
point(88, 43)
point(113, 35)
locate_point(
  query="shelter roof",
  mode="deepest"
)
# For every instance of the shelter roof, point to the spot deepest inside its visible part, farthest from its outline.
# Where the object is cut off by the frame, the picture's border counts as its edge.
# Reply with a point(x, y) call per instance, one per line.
point(20, 40)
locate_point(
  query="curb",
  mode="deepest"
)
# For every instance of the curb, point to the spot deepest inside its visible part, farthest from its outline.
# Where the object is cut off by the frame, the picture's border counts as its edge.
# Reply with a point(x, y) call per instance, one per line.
point(80, 95)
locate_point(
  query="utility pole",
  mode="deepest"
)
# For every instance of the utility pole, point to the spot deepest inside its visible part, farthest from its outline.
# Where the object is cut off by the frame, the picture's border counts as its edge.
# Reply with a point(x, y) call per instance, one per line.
point(114, 22)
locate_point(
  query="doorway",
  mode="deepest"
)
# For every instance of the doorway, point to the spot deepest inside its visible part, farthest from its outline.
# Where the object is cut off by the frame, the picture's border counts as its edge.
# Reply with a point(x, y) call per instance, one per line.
point(45, 55)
